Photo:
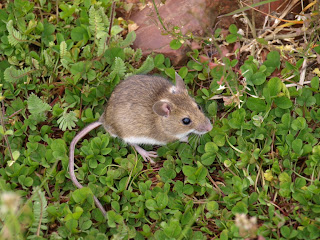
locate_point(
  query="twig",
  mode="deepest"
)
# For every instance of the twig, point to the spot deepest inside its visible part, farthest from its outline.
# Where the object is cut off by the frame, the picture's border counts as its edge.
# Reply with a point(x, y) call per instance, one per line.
point(214, 183)
point(297, 84)
point(111, 21)
point(257, 178)
point(285, 13)
point(251, 24)
point(280, 19)
point(274, 35)
point(15, 113)
point(303, 73)
point(253, 30)
point(283, 212)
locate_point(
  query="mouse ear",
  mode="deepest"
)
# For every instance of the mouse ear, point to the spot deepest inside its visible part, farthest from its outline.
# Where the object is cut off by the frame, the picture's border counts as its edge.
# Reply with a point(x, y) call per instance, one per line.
point(162, 108)
point(180, 83)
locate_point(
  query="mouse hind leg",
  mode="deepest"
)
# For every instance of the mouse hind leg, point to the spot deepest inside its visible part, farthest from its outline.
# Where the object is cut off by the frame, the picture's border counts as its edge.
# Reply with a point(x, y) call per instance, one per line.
point(146, 155)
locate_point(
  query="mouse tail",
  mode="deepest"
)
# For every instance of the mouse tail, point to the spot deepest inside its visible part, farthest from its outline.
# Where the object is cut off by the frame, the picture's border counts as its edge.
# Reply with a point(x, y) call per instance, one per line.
point(75, 140)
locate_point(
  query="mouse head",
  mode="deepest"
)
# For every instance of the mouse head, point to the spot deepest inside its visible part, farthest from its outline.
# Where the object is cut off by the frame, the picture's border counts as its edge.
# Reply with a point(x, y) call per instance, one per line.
point(179, 114)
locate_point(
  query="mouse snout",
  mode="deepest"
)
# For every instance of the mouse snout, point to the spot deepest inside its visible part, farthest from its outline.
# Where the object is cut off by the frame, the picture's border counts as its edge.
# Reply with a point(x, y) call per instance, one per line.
point(205, 127)
point(208, 127)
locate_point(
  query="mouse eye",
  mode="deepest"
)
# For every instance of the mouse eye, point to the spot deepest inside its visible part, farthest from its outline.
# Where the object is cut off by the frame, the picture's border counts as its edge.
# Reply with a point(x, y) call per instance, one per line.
point(186, 121)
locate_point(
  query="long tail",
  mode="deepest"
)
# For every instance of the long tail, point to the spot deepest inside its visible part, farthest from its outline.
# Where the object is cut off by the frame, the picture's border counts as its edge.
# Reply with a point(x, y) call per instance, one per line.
point(80, 135)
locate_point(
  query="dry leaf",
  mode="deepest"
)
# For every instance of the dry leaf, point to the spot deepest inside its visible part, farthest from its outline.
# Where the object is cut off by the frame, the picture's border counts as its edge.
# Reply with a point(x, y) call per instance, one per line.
point(132, 27)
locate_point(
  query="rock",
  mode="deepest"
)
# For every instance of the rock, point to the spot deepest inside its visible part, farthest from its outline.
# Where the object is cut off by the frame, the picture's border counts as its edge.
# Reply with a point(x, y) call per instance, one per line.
point(198, 17)
point(190, 15)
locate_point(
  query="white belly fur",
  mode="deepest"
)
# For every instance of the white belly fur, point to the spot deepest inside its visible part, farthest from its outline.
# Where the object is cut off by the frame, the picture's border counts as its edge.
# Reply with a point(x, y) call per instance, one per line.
point(143, 140)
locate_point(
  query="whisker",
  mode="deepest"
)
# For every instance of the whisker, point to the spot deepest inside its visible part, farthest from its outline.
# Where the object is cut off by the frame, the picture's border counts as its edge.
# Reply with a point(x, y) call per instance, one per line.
point(193, 141)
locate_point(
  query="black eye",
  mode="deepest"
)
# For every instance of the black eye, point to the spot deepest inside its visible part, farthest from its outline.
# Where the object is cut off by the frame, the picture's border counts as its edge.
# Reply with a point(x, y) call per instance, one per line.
point(199, 107)
point(186, 121)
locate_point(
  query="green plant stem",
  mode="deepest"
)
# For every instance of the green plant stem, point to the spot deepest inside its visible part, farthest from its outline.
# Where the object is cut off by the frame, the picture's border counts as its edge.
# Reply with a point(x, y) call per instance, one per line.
point(4, 129)
point(41, 213)
point(159, 17)
point(57, 11)
point(238, 150)
point(191, 222)
point(307, 179)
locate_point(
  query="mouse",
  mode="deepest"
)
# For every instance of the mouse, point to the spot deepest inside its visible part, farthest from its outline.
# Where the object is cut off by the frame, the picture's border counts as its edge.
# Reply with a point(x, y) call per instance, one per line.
point(147, 110)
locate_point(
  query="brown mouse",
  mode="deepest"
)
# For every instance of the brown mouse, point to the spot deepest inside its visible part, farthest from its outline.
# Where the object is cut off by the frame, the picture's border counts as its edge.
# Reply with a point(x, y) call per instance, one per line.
point(149, 110)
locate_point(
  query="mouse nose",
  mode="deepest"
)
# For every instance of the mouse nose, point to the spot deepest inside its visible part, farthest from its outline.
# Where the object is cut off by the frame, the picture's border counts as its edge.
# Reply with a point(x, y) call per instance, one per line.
point(206, 127)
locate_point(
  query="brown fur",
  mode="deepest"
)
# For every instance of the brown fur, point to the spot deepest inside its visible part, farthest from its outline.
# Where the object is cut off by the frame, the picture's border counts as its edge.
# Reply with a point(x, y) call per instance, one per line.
point(129, 110)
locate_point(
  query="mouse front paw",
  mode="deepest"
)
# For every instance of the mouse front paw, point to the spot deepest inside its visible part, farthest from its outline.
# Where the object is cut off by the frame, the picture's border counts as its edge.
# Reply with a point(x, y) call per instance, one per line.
point(146, 155)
